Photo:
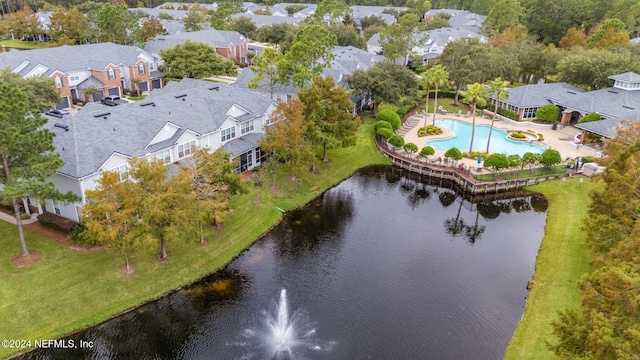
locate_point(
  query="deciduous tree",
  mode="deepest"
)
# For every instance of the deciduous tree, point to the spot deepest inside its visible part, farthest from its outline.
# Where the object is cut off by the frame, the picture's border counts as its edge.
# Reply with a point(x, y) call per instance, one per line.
point(40, 90)
point(194, 20)
point(287, 139)
point(66, 26)
point(328, 110)
point(27, 155)
point(151, 28)
point(194, 60)
point(164, 202)
point(208, 172)
point(504, 14)
point(117, 24)
point(110, 213)
point(384, 82)
point(332, 11)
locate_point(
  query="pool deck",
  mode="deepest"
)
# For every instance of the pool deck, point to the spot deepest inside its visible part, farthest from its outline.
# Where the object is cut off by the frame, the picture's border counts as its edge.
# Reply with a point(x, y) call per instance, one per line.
point(560, 140)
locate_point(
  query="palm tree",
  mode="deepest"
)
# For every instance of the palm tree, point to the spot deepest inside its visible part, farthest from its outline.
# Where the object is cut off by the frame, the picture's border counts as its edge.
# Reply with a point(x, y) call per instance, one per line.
point(499, 88)
point(474, 95)
point(438, 75)
point(427, 80)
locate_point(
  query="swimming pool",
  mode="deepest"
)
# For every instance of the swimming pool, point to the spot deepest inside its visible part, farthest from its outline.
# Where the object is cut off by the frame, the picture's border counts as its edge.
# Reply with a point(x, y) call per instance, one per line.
point(462, 136)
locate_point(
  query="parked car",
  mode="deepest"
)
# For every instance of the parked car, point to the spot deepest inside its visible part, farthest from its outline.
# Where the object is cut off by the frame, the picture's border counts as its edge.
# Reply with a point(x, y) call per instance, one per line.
point(112, 100)
point(57, 113)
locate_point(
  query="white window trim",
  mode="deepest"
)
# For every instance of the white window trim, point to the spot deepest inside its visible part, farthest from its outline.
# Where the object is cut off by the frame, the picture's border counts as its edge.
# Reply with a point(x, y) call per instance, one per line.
point(187, 149)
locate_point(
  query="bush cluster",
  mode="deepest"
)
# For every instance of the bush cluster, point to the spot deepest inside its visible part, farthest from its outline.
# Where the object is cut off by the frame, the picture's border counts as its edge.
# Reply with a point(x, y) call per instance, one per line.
point(508, 114)
point(391, 117)
point(474, 155)
point(518, 135)
point(56, 222)
point(429, 130)
point(382, 124)
point(76, 235)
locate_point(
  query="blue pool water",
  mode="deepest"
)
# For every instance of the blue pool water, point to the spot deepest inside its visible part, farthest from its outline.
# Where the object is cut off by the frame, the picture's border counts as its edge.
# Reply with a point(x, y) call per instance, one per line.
point(461, 138)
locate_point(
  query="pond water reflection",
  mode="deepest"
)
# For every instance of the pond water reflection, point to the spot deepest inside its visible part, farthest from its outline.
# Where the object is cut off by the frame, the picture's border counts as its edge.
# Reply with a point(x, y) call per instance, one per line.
point(383, 266)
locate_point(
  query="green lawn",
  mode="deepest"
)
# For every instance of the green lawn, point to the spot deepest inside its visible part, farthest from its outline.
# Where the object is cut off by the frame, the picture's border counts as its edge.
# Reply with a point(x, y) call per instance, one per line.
point(447, 104)
point(66, 290)
point(561, 261)
point(19, 44)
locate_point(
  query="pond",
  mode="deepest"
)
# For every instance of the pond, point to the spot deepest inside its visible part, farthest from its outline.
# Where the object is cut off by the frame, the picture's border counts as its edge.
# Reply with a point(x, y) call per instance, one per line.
point(383, 266)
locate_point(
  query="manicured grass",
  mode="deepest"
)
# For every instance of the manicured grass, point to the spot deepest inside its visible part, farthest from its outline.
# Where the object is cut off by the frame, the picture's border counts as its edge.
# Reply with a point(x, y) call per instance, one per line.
point(561, 261)
point(66, 291)
point(447, 104)
point(19, 44)
point(137, 98)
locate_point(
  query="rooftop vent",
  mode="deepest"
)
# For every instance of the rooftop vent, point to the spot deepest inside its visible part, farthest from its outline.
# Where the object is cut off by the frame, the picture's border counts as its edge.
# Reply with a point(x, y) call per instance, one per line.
point(216, 88)
point(147, 104)
point(180, 96)
point(571, 92)
point(62, 126)
point(613, 92)
point(102, 115)
point(628, 107)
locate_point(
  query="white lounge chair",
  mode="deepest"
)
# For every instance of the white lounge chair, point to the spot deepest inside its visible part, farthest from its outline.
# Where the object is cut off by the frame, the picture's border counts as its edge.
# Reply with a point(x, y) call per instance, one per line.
point(468, 114)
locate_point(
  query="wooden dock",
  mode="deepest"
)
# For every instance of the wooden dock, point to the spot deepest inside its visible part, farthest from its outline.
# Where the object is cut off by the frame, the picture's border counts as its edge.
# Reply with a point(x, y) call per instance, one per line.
point(461, 177)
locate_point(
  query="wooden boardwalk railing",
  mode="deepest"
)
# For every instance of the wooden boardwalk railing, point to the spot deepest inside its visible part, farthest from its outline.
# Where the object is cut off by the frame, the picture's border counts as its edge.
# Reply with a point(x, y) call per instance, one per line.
point(459, 175)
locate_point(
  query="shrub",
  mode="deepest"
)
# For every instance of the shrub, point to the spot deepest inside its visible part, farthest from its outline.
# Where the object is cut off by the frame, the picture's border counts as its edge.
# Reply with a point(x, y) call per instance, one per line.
point(410, 147)
point(385, 133)
point(548, 113)
point(453, 153)
point(56, 222)
point(540, 136)
point(514, 160)
point(427, 151)
point(497, 161)
point(517, 135)
point(382, 124)
point(77, 237)
point(589, 118)
point(474, 155)
point(550, 157)
point(391, 117)
point(396, 140)
point(429, 130)
point(588, 158)
point(508, 114)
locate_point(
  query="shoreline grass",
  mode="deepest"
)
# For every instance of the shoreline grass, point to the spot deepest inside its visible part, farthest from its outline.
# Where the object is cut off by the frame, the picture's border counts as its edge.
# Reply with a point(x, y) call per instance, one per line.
point(67, 291)
point(23, 45)
point(562, 259)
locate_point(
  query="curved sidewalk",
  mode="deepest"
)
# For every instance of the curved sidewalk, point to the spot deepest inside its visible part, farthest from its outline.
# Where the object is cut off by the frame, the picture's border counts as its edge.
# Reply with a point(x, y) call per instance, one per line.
point(10, 219)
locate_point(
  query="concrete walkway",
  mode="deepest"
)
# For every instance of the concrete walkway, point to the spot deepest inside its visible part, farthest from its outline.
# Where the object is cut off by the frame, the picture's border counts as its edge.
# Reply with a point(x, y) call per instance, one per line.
point(11, 219)
point(560, 140)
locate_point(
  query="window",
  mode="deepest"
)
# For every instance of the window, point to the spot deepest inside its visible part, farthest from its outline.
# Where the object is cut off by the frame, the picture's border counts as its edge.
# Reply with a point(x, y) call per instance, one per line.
point(112, 74)
point(74, 76)
point(78, 211)
point(56, 207)
point(164, 155)
point(529, 113)
point(288, 98)
point(140, 69)
point(228, 133)
point(246, 126)
point(58, 83)
point(185, 149)
point(512, 108)
point(123, 172)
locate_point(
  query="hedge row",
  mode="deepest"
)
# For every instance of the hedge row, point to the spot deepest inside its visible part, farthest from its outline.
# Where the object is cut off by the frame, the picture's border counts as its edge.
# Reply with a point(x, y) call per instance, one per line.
point(56, 222)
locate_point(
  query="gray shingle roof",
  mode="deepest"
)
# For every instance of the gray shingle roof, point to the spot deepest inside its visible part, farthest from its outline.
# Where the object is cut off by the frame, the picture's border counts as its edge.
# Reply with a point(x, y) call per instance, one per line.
point(267, 20)
point(215, 38)
point(243, 144)
point(128, 128)
point(72, 58)
point(91, 81)
point(537, 95)
point(176, 14)
point(606, 127)
point(461, 18)
point(626, 77)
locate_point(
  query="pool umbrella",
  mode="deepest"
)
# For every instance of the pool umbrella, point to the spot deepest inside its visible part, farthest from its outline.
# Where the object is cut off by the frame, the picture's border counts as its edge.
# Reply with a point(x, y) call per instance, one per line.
point(479, 159)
